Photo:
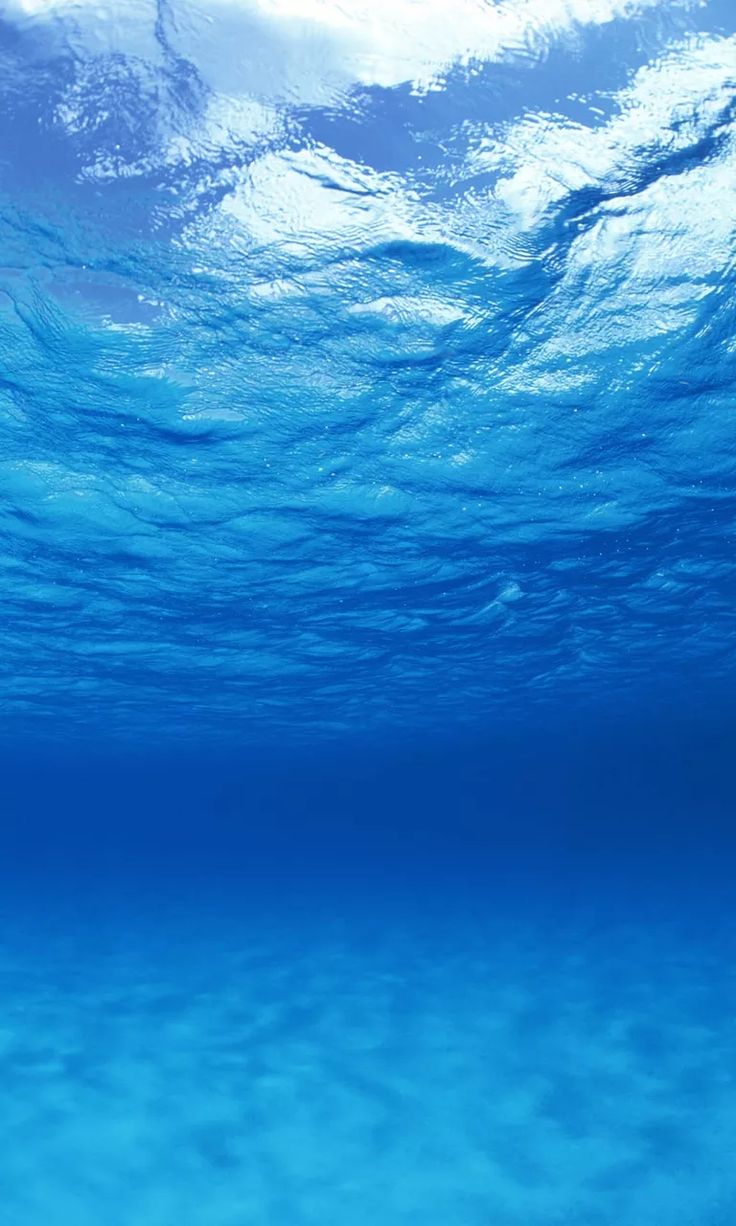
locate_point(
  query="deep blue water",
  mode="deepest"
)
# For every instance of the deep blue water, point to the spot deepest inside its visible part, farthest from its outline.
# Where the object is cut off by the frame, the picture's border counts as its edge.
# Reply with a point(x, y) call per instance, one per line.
point(368, 646)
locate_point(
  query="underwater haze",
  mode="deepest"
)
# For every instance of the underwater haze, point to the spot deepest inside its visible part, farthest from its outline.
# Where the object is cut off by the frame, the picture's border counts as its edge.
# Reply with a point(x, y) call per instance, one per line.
point(368, 636)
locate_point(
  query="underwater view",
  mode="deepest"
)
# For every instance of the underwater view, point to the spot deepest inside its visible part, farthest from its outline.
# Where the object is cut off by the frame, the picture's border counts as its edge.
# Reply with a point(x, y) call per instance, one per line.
point(368, 635)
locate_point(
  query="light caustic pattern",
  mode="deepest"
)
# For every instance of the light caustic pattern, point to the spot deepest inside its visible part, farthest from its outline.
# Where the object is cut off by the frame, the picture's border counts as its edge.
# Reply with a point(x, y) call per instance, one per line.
point(362, 367)
point(252, 1076)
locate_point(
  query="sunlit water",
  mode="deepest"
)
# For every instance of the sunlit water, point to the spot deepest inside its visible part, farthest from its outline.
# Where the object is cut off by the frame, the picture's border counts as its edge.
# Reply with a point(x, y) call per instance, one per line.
point(367, 531)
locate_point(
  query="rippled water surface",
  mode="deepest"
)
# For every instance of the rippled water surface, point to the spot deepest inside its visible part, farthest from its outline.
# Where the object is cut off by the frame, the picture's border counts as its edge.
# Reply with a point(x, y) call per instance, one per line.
point(367, 648)
point(364, 363)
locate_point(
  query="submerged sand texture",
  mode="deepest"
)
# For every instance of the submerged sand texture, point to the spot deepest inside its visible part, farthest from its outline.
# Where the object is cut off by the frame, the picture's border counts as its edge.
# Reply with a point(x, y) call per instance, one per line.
point(240, 1075)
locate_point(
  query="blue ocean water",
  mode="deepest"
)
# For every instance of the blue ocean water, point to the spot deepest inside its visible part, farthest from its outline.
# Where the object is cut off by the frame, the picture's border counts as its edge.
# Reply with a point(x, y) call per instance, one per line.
point(368, 512)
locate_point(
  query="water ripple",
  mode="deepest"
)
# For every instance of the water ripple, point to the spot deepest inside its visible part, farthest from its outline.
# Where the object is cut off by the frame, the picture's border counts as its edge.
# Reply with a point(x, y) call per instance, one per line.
point(343, 386)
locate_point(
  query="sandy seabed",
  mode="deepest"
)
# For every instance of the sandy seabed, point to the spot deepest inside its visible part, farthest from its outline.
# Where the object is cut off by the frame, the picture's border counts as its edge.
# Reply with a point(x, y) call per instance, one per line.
point(243, 1074)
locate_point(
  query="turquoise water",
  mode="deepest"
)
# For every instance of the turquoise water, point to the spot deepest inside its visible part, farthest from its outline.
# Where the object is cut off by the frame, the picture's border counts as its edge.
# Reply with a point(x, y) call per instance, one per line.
point(367, 523)
point(479, 1071)
point(428, 997)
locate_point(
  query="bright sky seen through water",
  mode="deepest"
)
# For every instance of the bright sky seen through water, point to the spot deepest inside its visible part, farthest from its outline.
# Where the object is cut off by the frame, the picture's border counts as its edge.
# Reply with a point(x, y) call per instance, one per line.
point(365, 365)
